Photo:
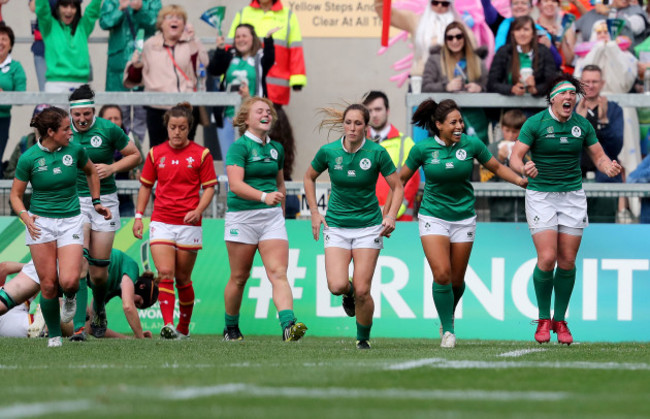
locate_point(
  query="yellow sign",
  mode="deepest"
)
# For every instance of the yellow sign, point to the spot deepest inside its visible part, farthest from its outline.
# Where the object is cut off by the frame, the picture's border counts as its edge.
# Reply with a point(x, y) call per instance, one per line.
point(336, 18)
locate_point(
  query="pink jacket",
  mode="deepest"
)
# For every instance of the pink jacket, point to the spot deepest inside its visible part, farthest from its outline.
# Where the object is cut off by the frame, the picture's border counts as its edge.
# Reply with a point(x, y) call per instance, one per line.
point(159, 73)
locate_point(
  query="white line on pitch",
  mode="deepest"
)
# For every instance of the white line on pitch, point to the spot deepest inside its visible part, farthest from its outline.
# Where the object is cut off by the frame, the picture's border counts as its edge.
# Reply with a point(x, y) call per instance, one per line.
point(38, 409)
point(416, 363)
point(469, 364)
point(354, 393)
point(520, 352)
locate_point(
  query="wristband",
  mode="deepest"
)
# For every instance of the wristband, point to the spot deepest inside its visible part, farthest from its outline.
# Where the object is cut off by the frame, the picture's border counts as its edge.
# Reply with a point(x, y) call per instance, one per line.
point(20, 212)
point(390, 216)
point(97, 201)
point(138, 215)
point(263, 197)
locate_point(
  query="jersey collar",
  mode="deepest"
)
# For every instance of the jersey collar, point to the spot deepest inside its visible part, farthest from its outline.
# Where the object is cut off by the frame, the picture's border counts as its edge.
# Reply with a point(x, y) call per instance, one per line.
point(343, 145)
point(253, 137)
point(45, 149)
point(555, 117)
point(442, 143)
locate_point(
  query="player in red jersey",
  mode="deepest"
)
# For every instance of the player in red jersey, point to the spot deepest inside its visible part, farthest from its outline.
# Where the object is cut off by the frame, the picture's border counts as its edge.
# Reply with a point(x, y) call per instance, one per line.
point(180, 167)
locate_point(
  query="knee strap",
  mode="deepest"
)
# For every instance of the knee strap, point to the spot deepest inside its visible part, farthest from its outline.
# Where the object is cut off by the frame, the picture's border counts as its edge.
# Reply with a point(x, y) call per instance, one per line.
point(96, 262)
point(6, 299)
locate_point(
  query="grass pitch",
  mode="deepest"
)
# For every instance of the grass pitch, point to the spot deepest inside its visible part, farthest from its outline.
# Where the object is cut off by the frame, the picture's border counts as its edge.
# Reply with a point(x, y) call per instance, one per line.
point(264, 377)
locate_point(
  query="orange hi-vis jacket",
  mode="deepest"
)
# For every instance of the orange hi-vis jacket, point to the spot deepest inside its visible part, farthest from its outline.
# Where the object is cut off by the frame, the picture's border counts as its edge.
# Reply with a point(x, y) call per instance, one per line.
point(289, 68)
point(398, 146)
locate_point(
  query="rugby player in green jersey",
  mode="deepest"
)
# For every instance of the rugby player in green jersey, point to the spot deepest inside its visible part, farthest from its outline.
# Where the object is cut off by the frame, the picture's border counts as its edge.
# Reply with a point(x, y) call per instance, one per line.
point(54, 224)
point(556, 205)
point(447, 217)
point(255, 217)
point(354, 227)
point(101, 139)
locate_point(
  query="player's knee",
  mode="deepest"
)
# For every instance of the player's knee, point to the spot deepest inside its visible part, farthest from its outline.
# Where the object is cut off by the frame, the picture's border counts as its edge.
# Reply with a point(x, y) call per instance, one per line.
point(239, 280)
point(49, 289)
point(546, 261)
point(362, 295)
point(338, 289)
point(442, 277)
point(165, 274)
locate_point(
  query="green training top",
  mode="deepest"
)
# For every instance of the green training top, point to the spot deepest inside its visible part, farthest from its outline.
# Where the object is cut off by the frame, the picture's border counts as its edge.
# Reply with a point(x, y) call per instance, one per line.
point(100, 142)
point(53, 176)
point(121, 264)
point(448, 192)
point(353, 202)
point(555, 149)
point(261, 163)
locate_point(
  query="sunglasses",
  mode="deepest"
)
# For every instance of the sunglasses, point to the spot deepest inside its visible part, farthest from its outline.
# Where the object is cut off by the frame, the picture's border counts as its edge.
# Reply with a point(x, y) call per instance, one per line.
point(456, 37)
point(440, 3)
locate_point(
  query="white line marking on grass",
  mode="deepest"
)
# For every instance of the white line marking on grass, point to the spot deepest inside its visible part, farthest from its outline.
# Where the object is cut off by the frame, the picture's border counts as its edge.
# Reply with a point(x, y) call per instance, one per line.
point(354, 393)
point(520, 352)
point(39, 409)
point(468, 364)
point(416, 363)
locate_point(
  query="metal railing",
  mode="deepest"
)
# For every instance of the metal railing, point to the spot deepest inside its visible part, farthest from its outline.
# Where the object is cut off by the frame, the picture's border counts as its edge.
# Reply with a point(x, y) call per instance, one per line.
point(126, 98)
point(217, 208)
point(496, 100)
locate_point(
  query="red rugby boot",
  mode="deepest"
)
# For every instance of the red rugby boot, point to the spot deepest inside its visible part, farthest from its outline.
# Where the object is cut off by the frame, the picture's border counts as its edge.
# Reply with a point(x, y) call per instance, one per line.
point(543, 332)
point(562, 331)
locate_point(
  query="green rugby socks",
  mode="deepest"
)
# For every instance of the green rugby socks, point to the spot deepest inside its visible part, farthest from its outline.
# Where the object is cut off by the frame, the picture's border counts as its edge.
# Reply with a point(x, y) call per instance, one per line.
point(563, 283)
point(543, 282)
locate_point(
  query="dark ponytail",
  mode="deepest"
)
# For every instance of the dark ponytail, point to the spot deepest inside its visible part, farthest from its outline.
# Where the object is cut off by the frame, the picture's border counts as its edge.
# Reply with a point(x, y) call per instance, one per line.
point(429, 112)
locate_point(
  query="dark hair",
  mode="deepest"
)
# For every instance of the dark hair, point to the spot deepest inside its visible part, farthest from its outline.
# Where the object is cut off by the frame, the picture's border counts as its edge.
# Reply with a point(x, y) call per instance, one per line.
point(281, 132)
point(181, 110)
point(10, 33)
point(77, 14)
point(81, 93)
point(519, 23)
point(147, 288)
point(257, 44)
point(592, 67)
point(50, 118)
point(375, 94)
point(514, 118)
point(429, 112)
point(564, 77)
point(104, 108)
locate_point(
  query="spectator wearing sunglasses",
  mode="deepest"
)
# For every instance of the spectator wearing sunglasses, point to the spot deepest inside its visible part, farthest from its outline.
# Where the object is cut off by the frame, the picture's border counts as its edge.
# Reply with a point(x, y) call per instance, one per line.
point(523, 65)
point(426, 30)
point(456, 66)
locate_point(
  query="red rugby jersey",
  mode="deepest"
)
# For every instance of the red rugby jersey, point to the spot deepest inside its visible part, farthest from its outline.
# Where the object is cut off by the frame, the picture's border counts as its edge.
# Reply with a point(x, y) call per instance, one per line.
point(180, 173)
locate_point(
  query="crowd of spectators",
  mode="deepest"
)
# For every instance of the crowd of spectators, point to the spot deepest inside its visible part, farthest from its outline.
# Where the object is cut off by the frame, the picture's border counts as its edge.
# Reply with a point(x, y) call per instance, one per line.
point(153, 48)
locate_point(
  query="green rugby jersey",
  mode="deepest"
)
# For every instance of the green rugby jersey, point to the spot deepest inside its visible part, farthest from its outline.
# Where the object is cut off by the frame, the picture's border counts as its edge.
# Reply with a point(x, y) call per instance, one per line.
point(100, 142)
point(53, 175)
point(555, 149)
point(261, 163)
point(448, 192)
point(120, 264)
point(353, 201)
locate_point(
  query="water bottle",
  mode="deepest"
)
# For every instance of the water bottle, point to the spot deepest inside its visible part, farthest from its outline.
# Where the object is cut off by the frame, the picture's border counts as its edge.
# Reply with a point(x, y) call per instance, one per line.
point(646, 81)
point(200, 78)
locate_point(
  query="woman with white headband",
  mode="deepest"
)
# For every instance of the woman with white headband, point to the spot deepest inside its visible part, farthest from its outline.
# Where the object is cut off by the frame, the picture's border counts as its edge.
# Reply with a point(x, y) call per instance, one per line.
point(556, 205)
point(100, 138)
